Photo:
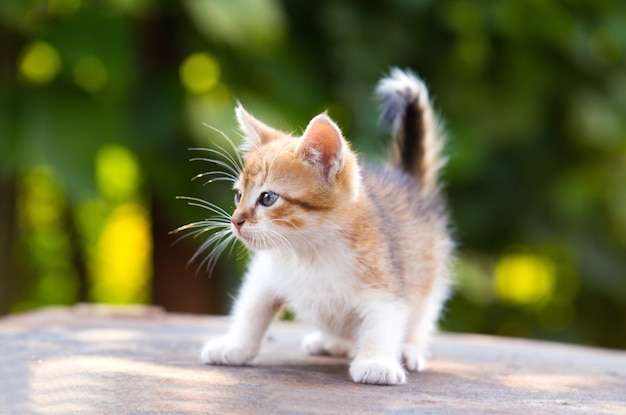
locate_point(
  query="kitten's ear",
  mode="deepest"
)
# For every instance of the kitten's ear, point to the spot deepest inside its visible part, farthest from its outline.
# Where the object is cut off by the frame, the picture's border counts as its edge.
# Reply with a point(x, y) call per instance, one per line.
point(255, 132)
point(322, 146)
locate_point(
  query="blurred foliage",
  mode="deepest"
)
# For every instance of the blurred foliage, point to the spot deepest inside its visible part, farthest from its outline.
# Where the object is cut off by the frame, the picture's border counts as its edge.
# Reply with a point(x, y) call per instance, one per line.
point(100, 100)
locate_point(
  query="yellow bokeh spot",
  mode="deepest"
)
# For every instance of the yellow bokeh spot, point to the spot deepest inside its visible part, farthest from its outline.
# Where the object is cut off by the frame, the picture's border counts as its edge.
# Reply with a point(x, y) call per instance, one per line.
point(524, 278)
point(63, 7)
point(122, 266)
point(40, 62)
point(42, 210)
point(199, 73)
point(42, 202)
point(90, 74)
point(117, 172)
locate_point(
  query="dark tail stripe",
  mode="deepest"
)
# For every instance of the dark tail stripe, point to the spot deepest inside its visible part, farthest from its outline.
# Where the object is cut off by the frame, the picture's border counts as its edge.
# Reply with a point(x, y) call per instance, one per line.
point(410, 140)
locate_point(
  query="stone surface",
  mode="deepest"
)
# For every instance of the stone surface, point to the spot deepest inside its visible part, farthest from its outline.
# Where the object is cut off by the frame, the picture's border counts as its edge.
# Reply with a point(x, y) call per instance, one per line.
point(103, 360)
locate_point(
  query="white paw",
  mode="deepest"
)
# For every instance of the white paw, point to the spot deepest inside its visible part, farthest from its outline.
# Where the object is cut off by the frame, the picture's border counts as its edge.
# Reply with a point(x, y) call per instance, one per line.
point(377, 371)
point(413, 359)
point(317, 343)
point(313, 343)
point(222, 351)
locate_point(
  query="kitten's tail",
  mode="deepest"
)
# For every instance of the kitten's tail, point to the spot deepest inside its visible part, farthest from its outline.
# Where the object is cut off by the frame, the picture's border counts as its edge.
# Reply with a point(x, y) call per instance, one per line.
point(417, 134)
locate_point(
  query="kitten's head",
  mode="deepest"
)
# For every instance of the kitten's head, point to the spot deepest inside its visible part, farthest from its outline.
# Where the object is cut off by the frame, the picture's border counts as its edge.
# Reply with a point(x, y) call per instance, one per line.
point(292, 188)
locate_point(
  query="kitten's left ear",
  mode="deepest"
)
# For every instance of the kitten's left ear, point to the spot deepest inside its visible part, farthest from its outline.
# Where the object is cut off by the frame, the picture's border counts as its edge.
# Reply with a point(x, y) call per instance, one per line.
point(256, 133)
point(322, 146)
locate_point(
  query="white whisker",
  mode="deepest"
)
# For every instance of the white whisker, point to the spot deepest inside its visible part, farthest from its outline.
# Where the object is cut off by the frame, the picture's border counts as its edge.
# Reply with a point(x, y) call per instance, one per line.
point(218, 228)
point(235, 149)
point(222, 163)
point(221, 176)
point(205, 204)
point(218, 242)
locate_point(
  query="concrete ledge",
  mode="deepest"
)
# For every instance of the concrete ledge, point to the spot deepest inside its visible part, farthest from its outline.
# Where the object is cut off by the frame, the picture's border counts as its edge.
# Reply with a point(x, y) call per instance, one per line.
point(102, 360)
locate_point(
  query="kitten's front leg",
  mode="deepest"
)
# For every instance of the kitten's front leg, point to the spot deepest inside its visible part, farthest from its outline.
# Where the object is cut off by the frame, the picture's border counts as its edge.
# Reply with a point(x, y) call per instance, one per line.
point(254, 310)
point(377, 358)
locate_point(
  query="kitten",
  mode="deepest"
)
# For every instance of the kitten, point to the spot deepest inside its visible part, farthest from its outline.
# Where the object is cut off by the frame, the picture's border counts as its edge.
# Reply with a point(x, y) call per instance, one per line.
point(361, 253)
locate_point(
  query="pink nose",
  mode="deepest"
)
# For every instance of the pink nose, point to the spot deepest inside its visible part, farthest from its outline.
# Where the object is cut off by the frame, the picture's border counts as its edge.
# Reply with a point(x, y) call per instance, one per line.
point(238, 221)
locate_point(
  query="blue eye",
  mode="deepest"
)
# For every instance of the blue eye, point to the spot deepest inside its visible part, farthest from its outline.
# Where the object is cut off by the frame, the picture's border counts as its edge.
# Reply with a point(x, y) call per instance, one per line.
point(267, 199)
point(238, 197)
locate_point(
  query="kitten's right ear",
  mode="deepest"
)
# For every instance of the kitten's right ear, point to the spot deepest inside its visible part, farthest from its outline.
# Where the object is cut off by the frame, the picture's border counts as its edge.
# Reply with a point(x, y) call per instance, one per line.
point(256, 133)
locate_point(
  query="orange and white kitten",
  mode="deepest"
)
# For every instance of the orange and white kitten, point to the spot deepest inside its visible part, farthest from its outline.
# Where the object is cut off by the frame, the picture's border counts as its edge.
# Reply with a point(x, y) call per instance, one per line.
point(361, 253)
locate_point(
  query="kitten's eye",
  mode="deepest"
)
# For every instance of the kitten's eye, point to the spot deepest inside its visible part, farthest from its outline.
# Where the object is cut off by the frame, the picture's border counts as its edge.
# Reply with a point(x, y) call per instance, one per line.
point(268, 198)
point(238, 197)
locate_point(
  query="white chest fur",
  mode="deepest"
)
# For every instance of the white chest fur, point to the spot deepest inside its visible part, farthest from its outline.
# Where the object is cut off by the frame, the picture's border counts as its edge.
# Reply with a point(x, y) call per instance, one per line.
point(320, 287)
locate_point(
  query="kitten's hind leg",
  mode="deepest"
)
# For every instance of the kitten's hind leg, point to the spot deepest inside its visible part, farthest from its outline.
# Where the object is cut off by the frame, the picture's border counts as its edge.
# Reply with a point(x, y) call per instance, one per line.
point(413, 358)
point(422, 325)
point(415, 345)
point(320, 343)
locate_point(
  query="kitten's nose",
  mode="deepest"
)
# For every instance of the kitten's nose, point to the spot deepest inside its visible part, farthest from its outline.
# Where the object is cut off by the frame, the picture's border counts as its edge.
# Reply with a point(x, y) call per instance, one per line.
point(238, 220)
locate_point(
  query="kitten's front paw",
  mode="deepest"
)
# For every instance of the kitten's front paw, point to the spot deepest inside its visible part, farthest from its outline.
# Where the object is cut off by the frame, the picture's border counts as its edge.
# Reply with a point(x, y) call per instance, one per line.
point(222, 351)
point(413, 359)
point(378, 372)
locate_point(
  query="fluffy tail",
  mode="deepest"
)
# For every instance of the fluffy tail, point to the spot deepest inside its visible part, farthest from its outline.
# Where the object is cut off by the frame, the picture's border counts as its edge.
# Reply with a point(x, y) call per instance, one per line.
point(417, 134)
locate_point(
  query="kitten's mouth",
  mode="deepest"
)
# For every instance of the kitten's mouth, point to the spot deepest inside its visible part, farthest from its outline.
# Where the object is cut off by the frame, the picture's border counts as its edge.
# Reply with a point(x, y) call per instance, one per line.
point(251, 242)
point(248, 240)
point(239, 235)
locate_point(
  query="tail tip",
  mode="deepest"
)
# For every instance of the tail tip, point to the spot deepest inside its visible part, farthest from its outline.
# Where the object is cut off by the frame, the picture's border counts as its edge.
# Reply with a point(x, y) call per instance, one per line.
point(398, 90)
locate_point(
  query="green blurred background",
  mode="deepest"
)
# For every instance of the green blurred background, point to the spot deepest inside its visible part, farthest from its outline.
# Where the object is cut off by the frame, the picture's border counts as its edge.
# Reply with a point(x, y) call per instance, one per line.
point(100, 101)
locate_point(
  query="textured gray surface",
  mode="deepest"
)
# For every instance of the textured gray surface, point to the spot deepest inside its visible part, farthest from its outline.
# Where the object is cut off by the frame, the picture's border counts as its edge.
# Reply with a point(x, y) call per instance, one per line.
point(100, 360)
